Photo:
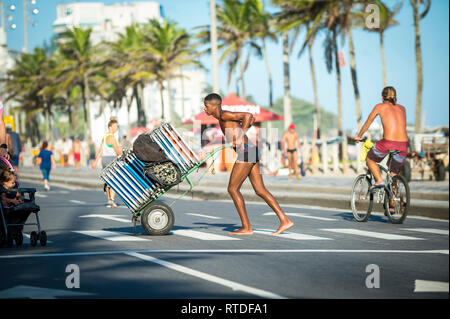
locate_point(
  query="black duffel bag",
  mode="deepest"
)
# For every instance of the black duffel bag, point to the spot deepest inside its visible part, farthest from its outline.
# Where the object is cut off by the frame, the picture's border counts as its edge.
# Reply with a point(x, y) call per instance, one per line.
point(147, 150)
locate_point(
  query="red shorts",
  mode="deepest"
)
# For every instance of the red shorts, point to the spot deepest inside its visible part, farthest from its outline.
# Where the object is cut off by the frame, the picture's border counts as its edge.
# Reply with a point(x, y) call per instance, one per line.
point(381, 148)
point(77, 157)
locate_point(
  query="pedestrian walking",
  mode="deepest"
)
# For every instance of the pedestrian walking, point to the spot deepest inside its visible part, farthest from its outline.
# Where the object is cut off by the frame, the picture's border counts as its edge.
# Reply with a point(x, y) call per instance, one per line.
point(108, 151)
point(47, 162)
point(92, 152)
point(125, 143)
point(66, 147)
point(16, 146)
point(291, 140)
point(234, 126)
point(76, 151)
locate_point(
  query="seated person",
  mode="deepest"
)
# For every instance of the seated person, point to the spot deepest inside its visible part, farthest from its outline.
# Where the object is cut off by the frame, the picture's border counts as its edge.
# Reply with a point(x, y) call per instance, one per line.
point(8, 182)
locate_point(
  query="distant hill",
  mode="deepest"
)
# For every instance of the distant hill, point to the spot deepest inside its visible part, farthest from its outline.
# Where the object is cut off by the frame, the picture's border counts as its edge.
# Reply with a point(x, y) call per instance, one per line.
point(303, 114)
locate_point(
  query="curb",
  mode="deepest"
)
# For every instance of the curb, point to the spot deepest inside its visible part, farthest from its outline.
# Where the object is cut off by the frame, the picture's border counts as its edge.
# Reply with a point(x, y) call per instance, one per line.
point(306, 196)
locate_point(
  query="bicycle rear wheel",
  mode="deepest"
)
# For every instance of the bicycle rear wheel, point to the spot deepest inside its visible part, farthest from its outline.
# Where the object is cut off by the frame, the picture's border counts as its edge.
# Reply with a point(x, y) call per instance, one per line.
point(362, 198)
point(399, 203)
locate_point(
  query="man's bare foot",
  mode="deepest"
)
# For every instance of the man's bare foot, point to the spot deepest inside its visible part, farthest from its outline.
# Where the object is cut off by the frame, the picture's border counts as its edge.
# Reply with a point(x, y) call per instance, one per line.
point(284, 226)
point(242, 231)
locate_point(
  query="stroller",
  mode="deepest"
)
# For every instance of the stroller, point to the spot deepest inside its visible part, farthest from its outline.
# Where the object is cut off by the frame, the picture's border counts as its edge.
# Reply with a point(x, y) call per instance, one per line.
point(13, 218)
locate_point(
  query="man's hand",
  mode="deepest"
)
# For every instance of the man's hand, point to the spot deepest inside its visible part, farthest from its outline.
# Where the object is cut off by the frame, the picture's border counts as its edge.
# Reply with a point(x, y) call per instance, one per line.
point(358, 139)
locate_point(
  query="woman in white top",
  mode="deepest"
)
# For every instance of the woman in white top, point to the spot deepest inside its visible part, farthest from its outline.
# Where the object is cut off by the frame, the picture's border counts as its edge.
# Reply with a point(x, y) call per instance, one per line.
point(108, 151)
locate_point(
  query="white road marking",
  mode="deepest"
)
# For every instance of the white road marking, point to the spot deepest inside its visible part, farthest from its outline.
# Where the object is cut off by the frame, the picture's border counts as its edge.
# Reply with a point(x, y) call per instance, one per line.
point(430, 286)
point(110, 217)
point(371, 234)
point(230, 251)
point(224, 282)
point(40, 195)
point(289, 235)
point(206, 216)
point(429, 230)
point(109, 235)
point(200, 235)
point(303, 215)
point(77, 201)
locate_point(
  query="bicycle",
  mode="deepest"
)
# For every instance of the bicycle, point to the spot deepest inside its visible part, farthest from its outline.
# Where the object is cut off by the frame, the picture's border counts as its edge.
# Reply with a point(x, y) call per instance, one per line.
point(395, 195)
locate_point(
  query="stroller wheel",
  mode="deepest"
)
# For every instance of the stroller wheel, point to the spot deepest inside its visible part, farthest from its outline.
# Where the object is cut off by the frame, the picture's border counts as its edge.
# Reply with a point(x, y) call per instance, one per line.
point(19, 239)
point(33, 238)
point(43, 238)
point(9, 241)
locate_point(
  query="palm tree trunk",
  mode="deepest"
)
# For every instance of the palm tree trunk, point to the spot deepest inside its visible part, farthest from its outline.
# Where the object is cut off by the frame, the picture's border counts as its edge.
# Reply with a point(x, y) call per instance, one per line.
point(170, 106)
point(269, 74)
point(316, 95)
point(183, 113)
point(287, 87)
point(354, 78)
point(241, 67)
point(343, 149)
point(418, 115)
point(87, 104)
point(338, 81)
point(161, 88)
point(140, 91)
point(383, 60)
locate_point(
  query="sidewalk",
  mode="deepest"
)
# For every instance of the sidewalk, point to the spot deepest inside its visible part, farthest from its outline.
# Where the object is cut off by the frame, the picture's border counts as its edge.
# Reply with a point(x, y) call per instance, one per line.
point(428, 198)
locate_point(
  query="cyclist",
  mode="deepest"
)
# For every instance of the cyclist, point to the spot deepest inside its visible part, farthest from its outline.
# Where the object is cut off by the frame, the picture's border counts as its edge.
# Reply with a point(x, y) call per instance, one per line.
point(393, 119)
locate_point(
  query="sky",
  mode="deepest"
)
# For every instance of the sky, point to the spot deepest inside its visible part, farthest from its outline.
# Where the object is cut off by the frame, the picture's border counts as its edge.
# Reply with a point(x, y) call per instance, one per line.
point(399, 50)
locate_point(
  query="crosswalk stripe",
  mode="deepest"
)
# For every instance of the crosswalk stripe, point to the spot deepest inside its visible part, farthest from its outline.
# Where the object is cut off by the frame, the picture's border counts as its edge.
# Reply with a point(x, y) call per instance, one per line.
point(201, 215)
point(108, 235)
point(77, 201)
point(370, 234)
point(40, 195)
point(429, 230)
point(200, 235)
point(289, 235)
point(304, 216)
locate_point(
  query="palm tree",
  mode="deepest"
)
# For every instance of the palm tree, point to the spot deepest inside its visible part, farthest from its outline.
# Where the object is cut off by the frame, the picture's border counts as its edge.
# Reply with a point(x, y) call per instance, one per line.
point(25, 84)
point(417, 17)
point(294, 15)
point(235, 32)
point(126, 70)
point(168, 48)
point(387, 20)
point(78, 65)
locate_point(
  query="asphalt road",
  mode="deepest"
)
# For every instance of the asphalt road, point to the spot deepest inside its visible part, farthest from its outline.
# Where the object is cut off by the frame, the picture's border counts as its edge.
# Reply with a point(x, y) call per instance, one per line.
point(94, 253)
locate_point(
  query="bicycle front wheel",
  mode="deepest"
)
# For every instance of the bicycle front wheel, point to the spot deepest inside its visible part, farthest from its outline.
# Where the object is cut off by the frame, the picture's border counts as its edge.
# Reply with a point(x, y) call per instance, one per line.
point(362, 198)
point(396, 200)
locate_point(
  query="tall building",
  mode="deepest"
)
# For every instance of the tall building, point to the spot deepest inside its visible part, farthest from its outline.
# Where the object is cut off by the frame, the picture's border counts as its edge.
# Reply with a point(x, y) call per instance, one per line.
point(107, 22)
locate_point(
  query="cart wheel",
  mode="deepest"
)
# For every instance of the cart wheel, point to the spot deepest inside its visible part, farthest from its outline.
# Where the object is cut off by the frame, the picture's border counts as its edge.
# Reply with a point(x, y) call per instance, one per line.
point(33, 238)
point(157, 219)
point(43, 238)
point(19, 239)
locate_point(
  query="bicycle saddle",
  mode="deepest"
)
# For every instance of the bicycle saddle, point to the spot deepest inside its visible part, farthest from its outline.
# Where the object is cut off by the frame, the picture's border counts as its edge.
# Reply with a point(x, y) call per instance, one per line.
point(394, 152)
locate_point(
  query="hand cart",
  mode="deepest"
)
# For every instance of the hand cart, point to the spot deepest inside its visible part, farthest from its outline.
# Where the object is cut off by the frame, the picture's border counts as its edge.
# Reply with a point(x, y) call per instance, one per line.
point(125, 175)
